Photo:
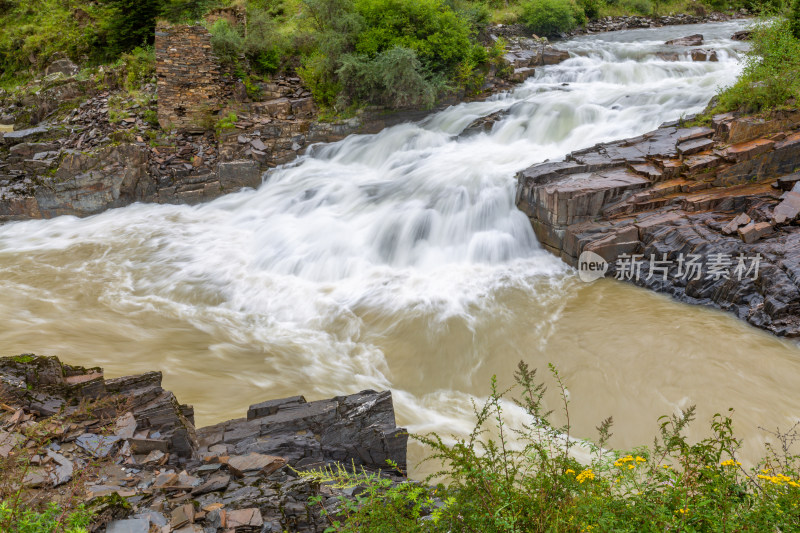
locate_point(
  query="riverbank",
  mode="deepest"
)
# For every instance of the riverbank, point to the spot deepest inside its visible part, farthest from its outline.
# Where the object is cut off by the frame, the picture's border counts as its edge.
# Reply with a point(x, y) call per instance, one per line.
point(129, 452)
point(706, 215)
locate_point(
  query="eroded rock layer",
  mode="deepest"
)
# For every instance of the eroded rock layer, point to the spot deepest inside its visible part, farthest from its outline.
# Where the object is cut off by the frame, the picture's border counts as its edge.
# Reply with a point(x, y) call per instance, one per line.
point(725, 197)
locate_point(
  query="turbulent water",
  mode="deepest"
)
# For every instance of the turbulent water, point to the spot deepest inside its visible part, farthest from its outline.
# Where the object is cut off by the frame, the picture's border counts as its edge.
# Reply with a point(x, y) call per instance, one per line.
point(399, 261)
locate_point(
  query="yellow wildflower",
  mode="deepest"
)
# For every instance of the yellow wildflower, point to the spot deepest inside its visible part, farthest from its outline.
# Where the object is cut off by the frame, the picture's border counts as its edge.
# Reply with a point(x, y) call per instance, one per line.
point(730, 462)
point(585, 475)
point(569, 471)
point(683, 511)
point(640, 459)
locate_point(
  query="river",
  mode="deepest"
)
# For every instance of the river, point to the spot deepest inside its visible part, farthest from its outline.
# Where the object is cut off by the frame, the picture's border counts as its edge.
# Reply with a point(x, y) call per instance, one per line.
point(399, 261)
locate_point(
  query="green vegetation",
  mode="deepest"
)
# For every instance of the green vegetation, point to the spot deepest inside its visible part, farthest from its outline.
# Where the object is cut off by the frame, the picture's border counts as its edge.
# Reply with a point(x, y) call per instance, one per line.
point(527, 479)
point(348, 52)
point(551, 17)
point(771, 76)
point(53, 519)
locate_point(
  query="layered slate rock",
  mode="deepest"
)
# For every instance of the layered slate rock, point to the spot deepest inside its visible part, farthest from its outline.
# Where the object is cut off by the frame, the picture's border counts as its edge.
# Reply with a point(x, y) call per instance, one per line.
point(357, 429)
point(103, 428)
point(715, 193)
point(47, 387)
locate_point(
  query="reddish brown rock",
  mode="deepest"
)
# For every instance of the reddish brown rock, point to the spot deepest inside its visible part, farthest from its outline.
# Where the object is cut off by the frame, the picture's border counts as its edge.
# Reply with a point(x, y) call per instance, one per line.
point(754, 231)
point(747, 150)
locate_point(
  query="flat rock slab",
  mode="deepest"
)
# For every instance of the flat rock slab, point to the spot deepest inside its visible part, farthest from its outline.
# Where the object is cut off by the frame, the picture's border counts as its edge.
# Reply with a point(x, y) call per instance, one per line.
point(696, 163)
point(254, 463)
point(694, 133)
point(691, 40)
point(788, 209)
point(742, 219)
point(270, 407)
point(97, 445)
point(244, 518)
point(747, 150)
point(215, 483)
point(754, 231)
point(132, 525)
point(787, 183)
point(14, 137)
point(694, 146)
point(62, 473)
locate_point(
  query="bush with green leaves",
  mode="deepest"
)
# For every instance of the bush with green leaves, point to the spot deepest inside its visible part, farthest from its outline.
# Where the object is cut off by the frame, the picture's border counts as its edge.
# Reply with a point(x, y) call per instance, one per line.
point(53, 519)
point(548, 18)
point(261, 44)
point(394, 52)
point(794, 18)
point(771, 75)
point(527, 478)
point(591, 8)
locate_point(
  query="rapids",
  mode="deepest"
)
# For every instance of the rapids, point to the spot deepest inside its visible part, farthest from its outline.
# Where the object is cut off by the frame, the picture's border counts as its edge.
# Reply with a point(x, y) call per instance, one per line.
point(399, 260)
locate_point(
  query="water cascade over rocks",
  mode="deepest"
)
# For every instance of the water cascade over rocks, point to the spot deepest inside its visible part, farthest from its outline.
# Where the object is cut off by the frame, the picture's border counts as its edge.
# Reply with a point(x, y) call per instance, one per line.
point(399, 261)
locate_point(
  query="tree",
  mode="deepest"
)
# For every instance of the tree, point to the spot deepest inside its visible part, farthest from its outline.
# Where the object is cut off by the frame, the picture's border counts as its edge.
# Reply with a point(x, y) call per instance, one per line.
point(131, 23)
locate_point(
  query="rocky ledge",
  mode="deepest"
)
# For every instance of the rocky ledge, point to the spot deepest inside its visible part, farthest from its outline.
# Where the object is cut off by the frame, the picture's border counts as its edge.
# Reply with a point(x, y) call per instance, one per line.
point(74, 149)
point(129, 450)
point(707, 215)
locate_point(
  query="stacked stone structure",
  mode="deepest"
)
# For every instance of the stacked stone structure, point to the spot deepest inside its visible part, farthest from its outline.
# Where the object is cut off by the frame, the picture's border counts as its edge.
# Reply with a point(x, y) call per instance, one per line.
point(191, 83)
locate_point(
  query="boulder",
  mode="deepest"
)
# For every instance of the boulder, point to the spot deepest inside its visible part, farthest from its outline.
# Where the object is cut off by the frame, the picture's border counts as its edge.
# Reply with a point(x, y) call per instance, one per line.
point(742, 35)
point(739, 220)
point(235, 175)
point(359, 428)
point(62, 66)
point(691, 40)
point(754, 231)
point(788, 210)
point(553, 56)
point(787, 183)
point(704, 55)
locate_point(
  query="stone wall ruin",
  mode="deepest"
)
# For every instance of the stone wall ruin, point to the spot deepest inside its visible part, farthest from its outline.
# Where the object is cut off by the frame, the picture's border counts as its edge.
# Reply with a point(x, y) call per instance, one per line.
point(191, 82)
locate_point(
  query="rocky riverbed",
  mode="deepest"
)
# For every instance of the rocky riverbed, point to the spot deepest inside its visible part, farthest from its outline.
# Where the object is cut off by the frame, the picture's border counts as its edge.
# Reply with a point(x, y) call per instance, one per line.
point(129, 450)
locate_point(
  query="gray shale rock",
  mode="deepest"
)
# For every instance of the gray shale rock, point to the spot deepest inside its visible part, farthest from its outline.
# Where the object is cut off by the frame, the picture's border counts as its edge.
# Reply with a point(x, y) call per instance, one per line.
point(678, 191)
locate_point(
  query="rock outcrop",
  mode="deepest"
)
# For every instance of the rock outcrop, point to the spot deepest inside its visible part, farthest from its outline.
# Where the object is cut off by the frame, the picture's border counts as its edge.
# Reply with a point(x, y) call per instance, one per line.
point(723, 197)
point(130, 451)
point(190, 135)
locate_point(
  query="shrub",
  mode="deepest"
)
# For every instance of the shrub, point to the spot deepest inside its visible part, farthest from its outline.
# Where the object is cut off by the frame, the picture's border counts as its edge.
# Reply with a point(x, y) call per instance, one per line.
point(393, 77)
point(591, 8)
point(263, 45)
point(771, 76)
point(642, 7)
point(440, 38)
point(549, 17)
point(794, 19)
point(53, 519)
point(140, 66)
point(226, 41)
point(129, 24)
point(537, 485)
point(395, 52)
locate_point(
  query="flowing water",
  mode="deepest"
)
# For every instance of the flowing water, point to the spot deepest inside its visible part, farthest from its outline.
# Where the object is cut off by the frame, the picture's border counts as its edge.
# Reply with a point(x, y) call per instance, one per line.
point(399, 261)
